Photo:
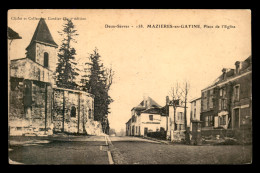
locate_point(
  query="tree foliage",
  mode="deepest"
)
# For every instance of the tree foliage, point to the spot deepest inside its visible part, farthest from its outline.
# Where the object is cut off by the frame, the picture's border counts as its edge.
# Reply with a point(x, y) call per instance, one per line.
point(98, 83)
point(66, 70)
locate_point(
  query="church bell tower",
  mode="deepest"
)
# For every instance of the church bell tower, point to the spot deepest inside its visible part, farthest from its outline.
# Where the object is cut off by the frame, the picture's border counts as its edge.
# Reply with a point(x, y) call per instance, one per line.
point(42, 48)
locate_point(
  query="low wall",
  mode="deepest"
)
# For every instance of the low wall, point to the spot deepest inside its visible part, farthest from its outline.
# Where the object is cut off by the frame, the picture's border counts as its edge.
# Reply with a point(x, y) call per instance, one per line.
point(157, 135)
point(93, 128)
point(220, 132)
point(243, 134)
point(179, 136)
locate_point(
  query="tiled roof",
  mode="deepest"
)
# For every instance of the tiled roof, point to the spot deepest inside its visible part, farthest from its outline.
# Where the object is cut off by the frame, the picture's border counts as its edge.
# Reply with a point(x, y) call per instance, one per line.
point(246, 66)
point(42, 34)
point(152, 111)
point(164, 111)
point(151, 102)
point(138, 108)
point(196, 98)
point(11, 34)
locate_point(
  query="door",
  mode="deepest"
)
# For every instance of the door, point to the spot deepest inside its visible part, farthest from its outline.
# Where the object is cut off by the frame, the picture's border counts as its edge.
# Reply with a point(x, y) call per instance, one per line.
point(133, 130)
point(236, 118)
point(145, 131)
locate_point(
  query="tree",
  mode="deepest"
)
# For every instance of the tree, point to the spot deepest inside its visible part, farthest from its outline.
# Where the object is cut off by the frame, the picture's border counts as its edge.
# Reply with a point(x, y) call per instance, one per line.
point(175, 95)
point(66, 68)
point(98, 83)
point(179, 94)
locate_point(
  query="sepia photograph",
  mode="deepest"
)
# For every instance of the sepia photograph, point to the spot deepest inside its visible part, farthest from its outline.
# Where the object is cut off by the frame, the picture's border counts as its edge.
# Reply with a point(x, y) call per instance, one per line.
point(129, 87)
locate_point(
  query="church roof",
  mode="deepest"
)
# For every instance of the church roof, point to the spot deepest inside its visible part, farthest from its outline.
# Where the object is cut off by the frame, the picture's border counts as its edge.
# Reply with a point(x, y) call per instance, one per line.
point(42, 34)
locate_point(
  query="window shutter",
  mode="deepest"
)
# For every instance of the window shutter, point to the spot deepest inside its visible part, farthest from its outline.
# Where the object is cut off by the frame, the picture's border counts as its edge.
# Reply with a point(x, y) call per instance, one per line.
point(216, 121)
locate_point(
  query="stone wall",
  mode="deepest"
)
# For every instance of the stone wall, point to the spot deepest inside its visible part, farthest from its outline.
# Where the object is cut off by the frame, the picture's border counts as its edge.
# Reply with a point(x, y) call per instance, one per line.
point(34, 71)
point(220, 132)
point(16, 106)
point(38, 109)
point(41, 48)
point(179, 136)
point(77, 109)
point(29, 107)
point(243, 134)
point(93, 127)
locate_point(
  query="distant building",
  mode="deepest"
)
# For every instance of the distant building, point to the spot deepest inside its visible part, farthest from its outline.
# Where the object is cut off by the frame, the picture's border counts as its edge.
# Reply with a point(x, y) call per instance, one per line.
point(11, 34)
point(175, 121)
point(145, 117)
point(36, 105)
point(195, 110)
point(227, 103)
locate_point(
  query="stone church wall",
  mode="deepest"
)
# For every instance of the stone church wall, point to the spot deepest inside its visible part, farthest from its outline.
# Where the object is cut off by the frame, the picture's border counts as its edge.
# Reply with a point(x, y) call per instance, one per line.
point(27, 112)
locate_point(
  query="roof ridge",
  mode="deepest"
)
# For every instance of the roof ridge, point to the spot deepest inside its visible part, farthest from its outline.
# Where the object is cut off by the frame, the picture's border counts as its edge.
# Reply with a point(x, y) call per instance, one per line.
point(42, 34)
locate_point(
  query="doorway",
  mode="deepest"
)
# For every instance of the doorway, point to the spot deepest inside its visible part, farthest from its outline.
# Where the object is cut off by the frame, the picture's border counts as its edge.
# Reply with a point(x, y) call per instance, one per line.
point(236, 118)
point(145, 131)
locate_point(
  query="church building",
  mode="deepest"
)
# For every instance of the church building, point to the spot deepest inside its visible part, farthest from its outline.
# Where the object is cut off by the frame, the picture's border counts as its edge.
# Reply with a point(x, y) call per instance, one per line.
point(36, 105)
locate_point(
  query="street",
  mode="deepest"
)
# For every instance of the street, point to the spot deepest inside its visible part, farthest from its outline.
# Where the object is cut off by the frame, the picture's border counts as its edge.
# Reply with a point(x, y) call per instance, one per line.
point(131, 151)
point(119, 150)
point(59, 150)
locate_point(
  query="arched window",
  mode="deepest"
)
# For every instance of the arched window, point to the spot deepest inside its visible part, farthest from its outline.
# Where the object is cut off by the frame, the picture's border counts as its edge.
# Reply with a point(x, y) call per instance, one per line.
point(46, 59)
point(73, 111)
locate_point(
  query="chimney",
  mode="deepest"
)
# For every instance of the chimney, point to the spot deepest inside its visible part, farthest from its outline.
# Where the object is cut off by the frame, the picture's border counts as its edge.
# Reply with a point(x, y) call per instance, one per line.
point(224, 71)
point(238, 65)
point(167, 100)
point(145, 98)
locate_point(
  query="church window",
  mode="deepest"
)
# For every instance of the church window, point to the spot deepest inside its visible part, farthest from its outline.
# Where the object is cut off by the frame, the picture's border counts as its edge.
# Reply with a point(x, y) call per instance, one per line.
point(46, 59)
point(73, 111)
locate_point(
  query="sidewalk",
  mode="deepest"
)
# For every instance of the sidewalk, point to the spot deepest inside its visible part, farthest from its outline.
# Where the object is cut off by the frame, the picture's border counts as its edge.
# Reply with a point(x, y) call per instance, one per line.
point(158, 140)
point(35, 140)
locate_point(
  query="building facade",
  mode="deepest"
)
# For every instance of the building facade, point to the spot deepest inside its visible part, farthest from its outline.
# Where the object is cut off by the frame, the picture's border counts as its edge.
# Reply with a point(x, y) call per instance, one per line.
point(146, 117)
point(227, 103)
point(195, 110)
point(36, 105)
point(174, 111)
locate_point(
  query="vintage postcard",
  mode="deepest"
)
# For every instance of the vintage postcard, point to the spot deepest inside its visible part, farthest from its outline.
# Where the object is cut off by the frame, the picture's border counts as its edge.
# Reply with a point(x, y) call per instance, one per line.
point(129, 86)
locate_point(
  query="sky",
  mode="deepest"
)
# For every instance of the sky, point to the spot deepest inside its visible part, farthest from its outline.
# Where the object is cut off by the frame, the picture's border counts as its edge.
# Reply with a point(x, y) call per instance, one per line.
point(147, 60)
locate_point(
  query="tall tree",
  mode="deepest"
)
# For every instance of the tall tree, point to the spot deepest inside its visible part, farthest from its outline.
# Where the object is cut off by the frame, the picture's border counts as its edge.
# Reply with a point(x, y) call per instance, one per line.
point(66, 70)
point(179, 95)
point(98, 83)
